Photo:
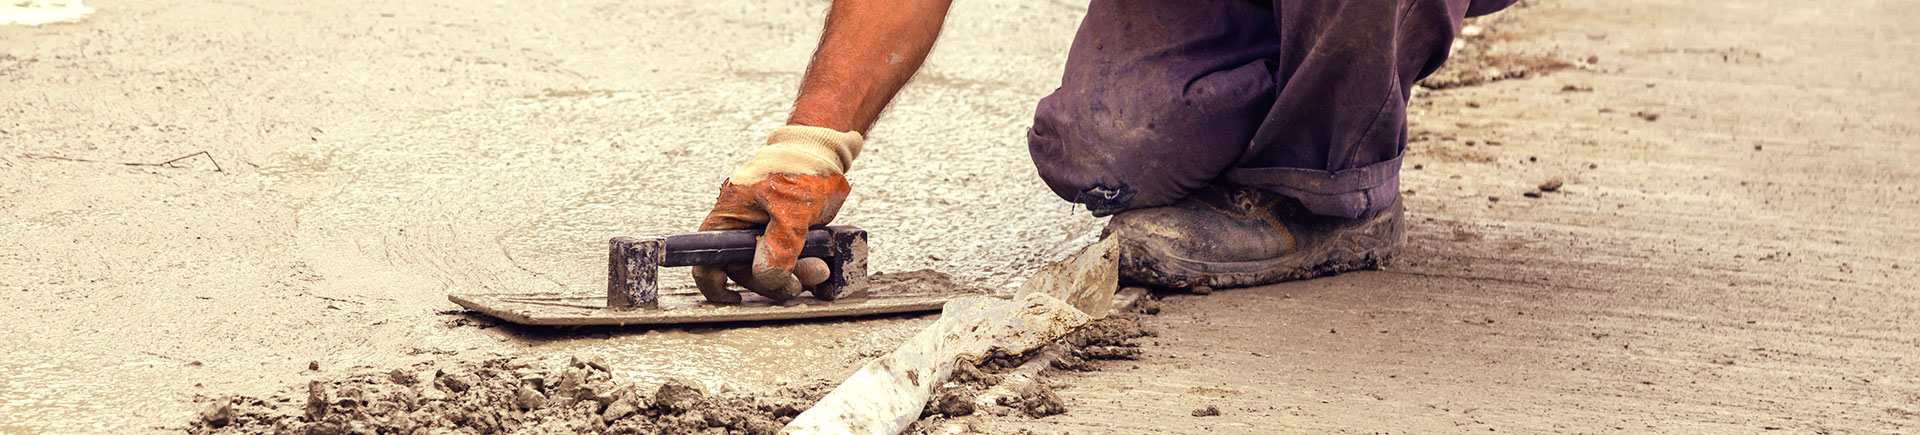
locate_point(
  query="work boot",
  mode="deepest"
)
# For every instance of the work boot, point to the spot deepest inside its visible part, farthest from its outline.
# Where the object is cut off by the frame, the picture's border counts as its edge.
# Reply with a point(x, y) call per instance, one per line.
point(1226, 235)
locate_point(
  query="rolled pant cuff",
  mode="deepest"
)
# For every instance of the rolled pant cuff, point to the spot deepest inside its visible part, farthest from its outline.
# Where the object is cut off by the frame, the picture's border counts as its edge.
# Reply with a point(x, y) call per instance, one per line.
point(1347, 193)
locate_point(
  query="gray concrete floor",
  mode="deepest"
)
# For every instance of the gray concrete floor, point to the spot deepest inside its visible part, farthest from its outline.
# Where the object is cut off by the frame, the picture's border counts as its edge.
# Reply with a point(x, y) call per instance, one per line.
point(1734, 249)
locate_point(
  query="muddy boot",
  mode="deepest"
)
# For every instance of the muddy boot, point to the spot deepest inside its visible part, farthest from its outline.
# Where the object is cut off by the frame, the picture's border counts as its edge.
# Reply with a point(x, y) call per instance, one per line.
point(1227, 235)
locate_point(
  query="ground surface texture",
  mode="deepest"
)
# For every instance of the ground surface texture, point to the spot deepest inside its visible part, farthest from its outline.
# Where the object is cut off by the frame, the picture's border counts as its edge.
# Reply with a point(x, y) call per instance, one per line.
point(1726, 244)
point(1731, 248)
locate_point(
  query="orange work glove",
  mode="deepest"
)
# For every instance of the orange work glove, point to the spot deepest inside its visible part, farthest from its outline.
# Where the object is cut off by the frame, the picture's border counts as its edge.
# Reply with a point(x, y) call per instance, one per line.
point(795, 182)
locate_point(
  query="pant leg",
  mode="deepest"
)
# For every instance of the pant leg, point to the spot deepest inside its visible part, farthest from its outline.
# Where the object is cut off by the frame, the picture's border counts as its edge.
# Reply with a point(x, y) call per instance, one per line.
point(1338, 127)
point(1304, 98)
point(1159, 97)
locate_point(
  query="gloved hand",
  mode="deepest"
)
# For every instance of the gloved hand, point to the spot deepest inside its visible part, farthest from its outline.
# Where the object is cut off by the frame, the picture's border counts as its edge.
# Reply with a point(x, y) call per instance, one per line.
point(795, 182)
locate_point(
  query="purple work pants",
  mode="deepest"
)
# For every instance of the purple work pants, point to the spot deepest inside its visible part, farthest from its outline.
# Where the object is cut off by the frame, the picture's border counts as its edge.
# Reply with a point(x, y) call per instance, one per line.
point(1305, 98)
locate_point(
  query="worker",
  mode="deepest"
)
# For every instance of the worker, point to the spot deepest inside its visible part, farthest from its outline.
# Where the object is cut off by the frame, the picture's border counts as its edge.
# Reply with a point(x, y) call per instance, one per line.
point(1234, 142)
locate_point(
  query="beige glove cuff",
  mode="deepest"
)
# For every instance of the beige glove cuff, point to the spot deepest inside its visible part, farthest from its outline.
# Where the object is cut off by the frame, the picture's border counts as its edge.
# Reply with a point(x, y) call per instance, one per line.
point(802, 150)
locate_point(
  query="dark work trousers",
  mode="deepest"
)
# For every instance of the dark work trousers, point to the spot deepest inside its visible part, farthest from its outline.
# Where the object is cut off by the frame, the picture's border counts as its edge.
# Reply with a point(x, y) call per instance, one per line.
point(1305, 98)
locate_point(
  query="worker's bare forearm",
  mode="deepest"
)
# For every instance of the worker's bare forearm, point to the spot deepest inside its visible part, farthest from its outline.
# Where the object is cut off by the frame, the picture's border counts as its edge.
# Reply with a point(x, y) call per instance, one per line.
point(870, 48)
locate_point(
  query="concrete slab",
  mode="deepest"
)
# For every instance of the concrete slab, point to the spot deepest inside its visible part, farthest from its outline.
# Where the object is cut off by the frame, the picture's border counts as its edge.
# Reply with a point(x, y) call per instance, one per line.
point(1722, 162)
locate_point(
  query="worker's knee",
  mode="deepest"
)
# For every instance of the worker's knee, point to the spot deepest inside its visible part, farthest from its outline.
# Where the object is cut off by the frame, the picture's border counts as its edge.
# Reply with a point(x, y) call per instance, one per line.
point(1114, 143)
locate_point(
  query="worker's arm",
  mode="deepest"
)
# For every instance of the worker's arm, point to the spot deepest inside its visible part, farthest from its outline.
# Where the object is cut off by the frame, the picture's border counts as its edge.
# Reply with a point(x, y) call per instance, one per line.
point(867, 52)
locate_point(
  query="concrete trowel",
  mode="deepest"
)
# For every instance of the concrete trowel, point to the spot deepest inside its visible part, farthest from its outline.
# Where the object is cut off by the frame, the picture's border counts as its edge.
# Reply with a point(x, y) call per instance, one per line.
point(635, 297)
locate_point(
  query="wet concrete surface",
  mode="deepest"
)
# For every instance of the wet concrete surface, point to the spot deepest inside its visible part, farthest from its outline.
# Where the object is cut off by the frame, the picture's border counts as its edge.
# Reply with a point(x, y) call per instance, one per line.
point(365, 159)
point(1730, 251)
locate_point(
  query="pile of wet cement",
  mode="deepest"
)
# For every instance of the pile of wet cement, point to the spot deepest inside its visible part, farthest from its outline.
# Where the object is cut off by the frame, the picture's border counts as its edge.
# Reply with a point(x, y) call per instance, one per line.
point(508, 395)
point(1110, 338)
point(505, 395)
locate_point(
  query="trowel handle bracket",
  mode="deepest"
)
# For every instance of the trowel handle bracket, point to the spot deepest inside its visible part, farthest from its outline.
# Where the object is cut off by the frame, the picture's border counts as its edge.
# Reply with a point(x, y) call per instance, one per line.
point(633, 263)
